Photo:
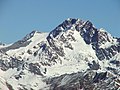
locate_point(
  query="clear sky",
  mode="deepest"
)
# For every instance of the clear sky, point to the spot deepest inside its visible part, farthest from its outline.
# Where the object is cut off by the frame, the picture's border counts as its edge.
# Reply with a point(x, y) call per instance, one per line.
point(20, 17)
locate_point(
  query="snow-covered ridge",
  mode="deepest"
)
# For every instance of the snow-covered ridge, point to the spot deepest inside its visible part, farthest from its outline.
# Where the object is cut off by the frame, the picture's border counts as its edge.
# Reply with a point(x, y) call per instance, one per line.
point(74, 49)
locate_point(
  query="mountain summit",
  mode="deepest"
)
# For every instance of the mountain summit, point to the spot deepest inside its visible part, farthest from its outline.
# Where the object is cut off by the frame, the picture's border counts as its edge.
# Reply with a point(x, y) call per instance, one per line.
point(74, 56)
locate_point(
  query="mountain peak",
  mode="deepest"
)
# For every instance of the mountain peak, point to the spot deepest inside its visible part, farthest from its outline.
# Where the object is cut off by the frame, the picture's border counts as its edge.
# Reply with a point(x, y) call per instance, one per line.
point(75, 54)
point(69, 23)
point(98, 38)
point(30, 35)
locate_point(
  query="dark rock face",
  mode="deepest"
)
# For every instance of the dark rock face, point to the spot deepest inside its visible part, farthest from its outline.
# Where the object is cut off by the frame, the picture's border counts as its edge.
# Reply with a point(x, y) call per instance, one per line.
point(51, 56)
point(100, 54)
point(97, 38)
point(11, 63)
point(113, 70)
point(94, 65)
point(67, 24)
point(107, 53)
point(35, 68)
point(58, 49)
point(100, 76)
point(90, 34)
point(16, 45)
point(115, 62)
point(88, 80)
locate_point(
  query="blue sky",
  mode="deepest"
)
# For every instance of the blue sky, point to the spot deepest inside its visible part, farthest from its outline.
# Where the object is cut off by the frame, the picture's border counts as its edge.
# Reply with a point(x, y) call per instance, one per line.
point(20, 17)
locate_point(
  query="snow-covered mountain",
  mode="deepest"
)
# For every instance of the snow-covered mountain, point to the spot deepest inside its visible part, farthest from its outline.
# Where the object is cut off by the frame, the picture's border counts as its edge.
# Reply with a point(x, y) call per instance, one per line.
point(74, 56)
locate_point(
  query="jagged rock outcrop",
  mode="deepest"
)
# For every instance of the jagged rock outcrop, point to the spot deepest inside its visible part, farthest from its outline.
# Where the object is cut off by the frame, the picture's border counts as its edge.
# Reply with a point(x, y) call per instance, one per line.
point(97, 38)
point(88, 80)
point(7, 62)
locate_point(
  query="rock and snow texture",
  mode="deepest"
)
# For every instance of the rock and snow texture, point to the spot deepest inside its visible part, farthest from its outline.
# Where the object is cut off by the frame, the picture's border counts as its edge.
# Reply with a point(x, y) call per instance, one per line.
point(3, 85)
point(73, 56)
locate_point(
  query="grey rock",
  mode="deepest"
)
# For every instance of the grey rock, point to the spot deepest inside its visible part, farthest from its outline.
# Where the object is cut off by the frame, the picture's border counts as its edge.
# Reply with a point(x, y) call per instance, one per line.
point(35, 68)
point(12, 63)
point(94, 65)
point(88, 80)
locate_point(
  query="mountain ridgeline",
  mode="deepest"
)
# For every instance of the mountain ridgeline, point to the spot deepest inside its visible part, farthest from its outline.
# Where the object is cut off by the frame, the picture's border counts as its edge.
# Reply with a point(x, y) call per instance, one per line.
point(74, 56)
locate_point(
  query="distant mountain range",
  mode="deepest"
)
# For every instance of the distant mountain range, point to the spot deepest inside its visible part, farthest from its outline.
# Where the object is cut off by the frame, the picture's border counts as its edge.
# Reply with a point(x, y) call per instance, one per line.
point(74, 56)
